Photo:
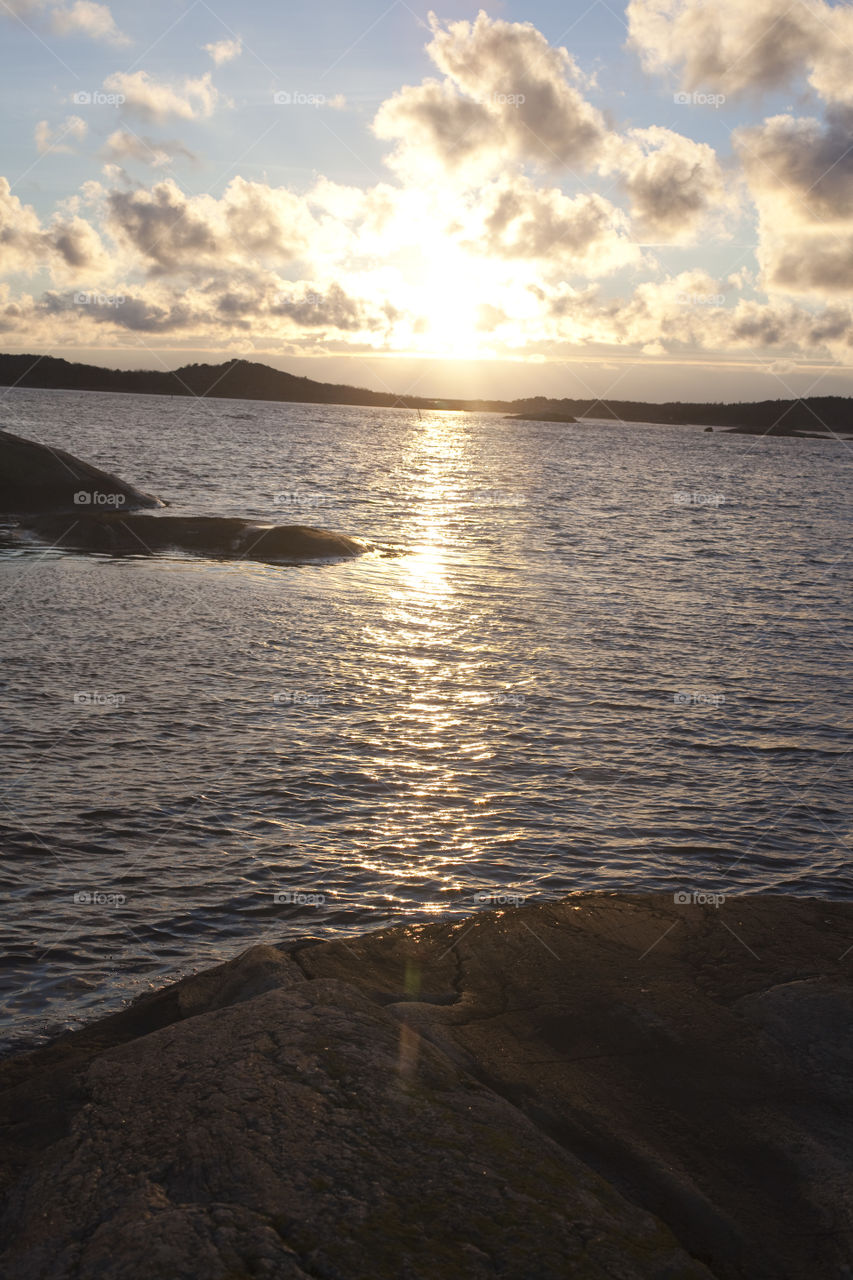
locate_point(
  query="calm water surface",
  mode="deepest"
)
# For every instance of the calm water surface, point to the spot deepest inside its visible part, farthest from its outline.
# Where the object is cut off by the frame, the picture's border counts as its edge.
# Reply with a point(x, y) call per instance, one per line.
point(589, 656)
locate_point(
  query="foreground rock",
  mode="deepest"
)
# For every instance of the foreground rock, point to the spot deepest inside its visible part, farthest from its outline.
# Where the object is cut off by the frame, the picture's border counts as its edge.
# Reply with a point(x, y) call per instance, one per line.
point(609, 1086)
point(74, 506)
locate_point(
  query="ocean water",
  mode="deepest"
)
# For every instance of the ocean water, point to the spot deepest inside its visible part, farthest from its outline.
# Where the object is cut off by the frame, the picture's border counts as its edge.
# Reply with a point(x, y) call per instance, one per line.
point(592, 656)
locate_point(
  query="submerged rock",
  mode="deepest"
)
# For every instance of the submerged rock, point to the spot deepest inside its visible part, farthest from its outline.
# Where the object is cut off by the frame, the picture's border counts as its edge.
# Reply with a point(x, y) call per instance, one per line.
point(77, 507)
point(218, 537)
point(606, 1086)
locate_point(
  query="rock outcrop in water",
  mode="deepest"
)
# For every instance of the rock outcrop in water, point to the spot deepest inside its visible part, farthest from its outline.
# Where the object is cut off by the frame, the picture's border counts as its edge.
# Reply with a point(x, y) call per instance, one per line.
point(36, 478)
point(610, 1086)
point(77, 507)
point(217, 537)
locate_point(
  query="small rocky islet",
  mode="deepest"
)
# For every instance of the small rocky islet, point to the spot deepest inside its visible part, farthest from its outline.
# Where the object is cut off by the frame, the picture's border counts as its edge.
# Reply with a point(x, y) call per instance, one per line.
point(69, 504)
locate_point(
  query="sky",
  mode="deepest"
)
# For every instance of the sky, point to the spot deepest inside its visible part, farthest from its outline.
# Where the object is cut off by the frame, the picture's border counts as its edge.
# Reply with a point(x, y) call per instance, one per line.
point(651, 201)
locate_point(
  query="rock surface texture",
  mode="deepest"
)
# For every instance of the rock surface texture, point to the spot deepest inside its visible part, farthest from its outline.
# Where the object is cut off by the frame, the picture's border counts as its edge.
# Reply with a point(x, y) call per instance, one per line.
point(610, 1086)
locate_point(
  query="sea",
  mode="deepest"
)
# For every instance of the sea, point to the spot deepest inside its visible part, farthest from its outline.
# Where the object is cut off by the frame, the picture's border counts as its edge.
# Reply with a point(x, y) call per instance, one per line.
point(592, 656)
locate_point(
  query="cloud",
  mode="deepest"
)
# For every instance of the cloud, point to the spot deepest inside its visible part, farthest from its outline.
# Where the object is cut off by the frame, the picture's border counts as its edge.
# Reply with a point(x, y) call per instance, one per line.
point(222, 309)
point(805, 163)
point(800, 174)
point(224, 50)
point(155, 100)
point(85, 18)
point(509, 100)
point(48, 139)
point(693, 313)
point(746, 49)
point(328, 308)
point(672, 182)
point(171, 233)
point(512, 223)
point(68, 246)
point(122, 145)
point(585, 235)
point(506, 96)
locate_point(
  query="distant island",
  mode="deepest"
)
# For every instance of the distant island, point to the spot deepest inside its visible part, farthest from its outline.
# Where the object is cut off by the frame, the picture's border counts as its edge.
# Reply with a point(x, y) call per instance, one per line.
point(543, 415)
point(246, 380)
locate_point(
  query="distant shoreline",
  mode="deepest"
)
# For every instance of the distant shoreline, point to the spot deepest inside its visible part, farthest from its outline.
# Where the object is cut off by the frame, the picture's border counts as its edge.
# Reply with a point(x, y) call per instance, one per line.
point(244, 380)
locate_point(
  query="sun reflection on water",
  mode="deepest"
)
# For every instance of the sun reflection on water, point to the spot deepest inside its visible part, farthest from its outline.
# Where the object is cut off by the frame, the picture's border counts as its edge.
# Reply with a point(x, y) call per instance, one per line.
point(427, 651)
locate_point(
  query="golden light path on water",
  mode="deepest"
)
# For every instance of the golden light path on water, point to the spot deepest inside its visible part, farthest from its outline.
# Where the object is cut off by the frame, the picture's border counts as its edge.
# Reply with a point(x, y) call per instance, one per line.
point(428, 655)
point(553, 673)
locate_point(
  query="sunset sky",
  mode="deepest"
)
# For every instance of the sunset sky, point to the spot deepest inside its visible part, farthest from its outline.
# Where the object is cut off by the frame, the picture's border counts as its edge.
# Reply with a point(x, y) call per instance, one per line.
point(653, 201)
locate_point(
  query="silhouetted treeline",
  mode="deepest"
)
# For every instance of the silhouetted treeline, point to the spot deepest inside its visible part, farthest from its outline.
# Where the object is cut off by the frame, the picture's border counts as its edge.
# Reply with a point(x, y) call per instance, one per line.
point(244, 380)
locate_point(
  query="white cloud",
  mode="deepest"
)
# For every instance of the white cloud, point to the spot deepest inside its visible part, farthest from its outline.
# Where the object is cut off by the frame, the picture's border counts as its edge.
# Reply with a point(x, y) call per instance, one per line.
point(68, 246)
point(509, 101)
point(585, 235)
point(674, 184)
point(800, 175)
point(72, 129)
point(83, 18)
point(156, 100)
point(506, 97)
point(747, 48)
point(122, 145)
point(224, 50)
point(511, 199)
point(169, 233)
point(86, 18)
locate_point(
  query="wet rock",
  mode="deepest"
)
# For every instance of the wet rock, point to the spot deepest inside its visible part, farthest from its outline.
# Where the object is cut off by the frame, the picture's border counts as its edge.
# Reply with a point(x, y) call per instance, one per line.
point(36, 477)
point(217, 537)
point(606, 1086)
point(74, 506)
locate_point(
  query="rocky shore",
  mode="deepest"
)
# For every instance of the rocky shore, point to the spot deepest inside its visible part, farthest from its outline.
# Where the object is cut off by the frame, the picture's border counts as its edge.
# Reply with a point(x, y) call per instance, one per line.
point(610, 1086)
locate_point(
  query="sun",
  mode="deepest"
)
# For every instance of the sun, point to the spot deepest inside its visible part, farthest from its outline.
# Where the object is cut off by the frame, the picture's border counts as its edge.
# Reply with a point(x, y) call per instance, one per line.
point(448, 296)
